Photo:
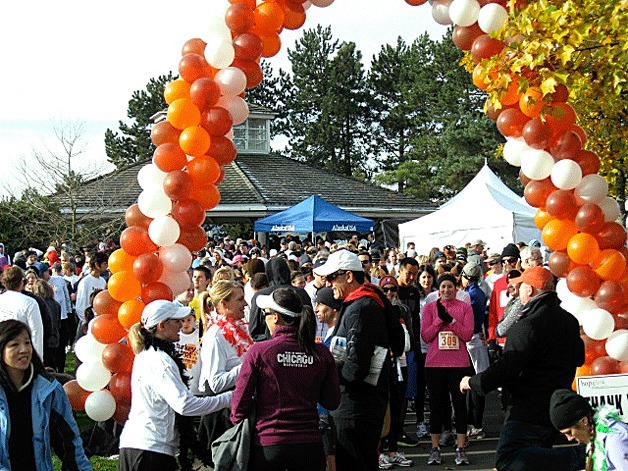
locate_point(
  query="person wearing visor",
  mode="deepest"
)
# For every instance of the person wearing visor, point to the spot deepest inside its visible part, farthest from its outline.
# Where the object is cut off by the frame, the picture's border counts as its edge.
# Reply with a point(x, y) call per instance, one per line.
point(284, 379)
point(160, 397)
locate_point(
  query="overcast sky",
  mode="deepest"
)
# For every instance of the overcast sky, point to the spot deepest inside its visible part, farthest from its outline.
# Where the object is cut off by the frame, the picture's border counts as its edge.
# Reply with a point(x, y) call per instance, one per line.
point(76, 61)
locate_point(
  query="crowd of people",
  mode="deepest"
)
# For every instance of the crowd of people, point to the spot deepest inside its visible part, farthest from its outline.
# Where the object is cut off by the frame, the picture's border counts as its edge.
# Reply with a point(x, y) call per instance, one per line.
point(328, 345)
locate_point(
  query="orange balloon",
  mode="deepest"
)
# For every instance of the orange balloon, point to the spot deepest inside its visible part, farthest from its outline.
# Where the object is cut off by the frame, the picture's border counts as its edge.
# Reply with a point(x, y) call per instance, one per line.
point(118, 358)
point(584, 370)
point(120, 387)
point(271, 44)
point(511, 96)
point(295, 16)
point(176, 89)
point(203, 171)
point(610, 264)
point(124, 286)
point(531, 102)
point(479, 77)
point(542, 217)
point(207, 196)
point(194, 140)
point(183, 113)
point(130, 312)
point(269, 17)
point(557, 233)
point(583, 248)
point(193, 237)
point(76, 394)
point(105, 305)
point(194, 46)
point(107, 329)
point(119, 260)
point(168, 157)
point(163, 132)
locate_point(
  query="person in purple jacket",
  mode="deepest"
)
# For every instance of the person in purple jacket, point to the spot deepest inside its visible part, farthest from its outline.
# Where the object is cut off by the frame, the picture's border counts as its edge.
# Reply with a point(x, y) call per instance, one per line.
point(446, 326)
point(285, 378)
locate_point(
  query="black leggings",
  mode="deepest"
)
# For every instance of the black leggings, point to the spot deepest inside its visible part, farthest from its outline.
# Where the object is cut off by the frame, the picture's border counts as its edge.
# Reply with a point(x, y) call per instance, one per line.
point(132, 459)
point(441, 382)
point(289, 457)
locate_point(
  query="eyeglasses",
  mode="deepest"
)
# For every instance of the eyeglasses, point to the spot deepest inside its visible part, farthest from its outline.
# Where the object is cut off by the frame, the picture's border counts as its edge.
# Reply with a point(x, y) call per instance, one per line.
point(390, 289)
point(509, 260)
point(493, 263)
point(365, 262)
point(331, 277)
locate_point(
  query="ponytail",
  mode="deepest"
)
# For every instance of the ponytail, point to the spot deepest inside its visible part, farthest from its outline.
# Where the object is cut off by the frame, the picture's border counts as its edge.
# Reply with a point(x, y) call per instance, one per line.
point(306, 329)
point(139, 338)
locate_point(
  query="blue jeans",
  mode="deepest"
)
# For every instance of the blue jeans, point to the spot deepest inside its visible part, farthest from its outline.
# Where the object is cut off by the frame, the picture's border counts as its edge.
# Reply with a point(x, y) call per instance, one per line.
point(524, 447)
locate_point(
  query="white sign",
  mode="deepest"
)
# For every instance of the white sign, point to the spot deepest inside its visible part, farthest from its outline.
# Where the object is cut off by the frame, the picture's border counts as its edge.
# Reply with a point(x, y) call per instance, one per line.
point(343, 227)
point(276, 228)
point(606, 390)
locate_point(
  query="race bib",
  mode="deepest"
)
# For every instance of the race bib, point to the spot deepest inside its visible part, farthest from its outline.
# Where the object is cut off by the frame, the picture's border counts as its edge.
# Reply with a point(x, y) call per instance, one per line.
point(447, 340)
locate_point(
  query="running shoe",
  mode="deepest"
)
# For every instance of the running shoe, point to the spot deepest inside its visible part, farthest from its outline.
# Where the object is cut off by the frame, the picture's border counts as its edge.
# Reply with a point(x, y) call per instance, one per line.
point(421, 430)
point(447, 438)
point(476, 433)
point(435, 457)
point(384, 463)
point(461, 457)
point(399, 459)
point(407, 441)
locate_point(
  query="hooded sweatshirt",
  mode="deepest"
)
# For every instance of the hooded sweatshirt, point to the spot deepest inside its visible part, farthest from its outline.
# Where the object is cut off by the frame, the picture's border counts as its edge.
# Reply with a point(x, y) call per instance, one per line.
point(278, 273)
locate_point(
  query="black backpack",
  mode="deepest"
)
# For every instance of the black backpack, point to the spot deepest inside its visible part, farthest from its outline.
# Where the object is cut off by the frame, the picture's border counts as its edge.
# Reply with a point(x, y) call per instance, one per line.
point(396, 335)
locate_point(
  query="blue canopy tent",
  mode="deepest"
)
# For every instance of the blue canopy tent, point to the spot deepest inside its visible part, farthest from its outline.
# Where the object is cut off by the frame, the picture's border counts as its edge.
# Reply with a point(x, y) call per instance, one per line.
point(314, 215)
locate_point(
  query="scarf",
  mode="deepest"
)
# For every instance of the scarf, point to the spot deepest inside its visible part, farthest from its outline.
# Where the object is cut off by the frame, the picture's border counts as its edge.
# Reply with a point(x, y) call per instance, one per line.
point(603, 418)
point(233, 330)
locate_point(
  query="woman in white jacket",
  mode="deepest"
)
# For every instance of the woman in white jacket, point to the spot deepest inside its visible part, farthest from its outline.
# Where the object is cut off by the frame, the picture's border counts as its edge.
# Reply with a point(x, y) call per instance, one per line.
point(225, 341)
point(150, 439)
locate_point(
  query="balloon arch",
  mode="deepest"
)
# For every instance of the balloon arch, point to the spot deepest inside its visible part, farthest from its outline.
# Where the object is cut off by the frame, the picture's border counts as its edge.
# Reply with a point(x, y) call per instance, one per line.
point(193, 145)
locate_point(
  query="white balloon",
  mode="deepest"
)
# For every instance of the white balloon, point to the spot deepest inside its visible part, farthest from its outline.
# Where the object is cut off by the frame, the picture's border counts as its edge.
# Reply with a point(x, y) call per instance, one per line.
point(87, 348)
point(492, 17)
point(566, 174)
point(219, 51)
point(178, 282)
point(562, 290)
point(150, 176)
point(231, 81)
point(236, 106)
point(217, 25)
point(617, 345)
point(164, 231)
point(513, 149)
point(592, 189)
point(597, 323)
point(176, 257)
point(154, 203)
point(100, 405)
point(92, 375)
point(440, 11)
point(536, 164)
point(577, 306)
point(464, 12)
point(610, 207)
point(322, 3)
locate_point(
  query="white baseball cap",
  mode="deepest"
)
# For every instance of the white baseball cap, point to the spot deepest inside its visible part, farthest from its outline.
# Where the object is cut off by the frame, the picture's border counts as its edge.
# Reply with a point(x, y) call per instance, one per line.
point(162, 310)
point(340, 260)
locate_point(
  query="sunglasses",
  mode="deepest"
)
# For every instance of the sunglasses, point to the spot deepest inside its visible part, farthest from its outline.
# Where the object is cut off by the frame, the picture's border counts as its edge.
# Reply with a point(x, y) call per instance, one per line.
point(334, 275)
point(365, 262)
point(491, 264)
point(268, 312)
point(509, 260)
point(390, 289)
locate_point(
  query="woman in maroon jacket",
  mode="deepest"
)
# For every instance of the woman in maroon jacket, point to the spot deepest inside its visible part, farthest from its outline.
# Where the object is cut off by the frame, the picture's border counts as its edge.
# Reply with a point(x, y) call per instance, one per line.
point(285, 378)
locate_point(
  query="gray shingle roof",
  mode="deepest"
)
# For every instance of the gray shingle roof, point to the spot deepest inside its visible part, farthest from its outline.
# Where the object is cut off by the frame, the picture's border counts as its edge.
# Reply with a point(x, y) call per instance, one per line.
point(258, 185)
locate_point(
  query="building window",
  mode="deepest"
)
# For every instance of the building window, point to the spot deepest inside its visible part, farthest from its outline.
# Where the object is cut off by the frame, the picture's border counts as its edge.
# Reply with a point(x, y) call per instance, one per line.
point(252, 136)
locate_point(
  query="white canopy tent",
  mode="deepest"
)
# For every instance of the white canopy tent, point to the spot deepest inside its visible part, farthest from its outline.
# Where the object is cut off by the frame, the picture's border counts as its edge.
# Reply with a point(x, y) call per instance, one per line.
point(485, 209)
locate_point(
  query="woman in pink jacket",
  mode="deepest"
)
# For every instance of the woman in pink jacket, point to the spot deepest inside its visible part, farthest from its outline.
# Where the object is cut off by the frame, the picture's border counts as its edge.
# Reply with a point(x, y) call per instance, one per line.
point(446, 326)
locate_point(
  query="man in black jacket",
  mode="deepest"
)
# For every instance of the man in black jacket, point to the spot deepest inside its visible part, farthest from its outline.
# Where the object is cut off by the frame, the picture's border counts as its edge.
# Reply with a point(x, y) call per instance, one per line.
point(541, 355)
point(361, 332)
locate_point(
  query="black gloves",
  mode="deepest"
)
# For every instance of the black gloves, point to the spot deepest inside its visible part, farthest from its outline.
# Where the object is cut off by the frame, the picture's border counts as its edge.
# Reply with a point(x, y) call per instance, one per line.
point(442, 313)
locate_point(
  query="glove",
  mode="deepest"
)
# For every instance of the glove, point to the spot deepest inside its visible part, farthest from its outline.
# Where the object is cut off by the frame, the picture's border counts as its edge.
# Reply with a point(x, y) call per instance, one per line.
point(443, 315)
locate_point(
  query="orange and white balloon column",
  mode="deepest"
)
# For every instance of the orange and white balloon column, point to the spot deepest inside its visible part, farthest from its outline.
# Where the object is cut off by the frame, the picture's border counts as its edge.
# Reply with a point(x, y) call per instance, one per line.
point(194, 143)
